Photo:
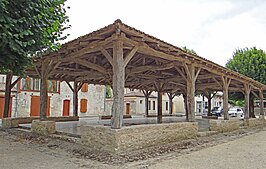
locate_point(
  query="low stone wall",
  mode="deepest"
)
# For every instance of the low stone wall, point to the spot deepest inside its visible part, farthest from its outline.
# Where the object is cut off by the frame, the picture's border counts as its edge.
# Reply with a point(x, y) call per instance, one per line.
point(254, 122)
point(129, 138)
point(8, 123)
point(224, 125)
point(26, 120)
point(43, 127)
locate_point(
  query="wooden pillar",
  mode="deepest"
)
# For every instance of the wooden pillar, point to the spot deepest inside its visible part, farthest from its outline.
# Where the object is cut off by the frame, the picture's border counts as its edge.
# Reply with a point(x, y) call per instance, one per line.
point(225, 84)
point(185, 105)
point(171, 96)
point(247, 94)
point(209, 103)
point(75, 98)
point(190, 95)
point(118, 85)
point(261, 103)
point(7, 93)
point(146, 94)
point(159, 107)
point(43, 95)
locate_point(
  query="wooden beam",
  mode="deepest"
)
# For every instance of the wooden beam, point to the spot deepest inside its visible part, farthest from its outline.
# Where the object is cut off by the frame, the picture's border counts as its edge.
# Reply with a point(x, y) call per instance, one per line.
point(90, 65)
point(181, 73)
point(71, 88)
point(130, 55)
point(107, 55)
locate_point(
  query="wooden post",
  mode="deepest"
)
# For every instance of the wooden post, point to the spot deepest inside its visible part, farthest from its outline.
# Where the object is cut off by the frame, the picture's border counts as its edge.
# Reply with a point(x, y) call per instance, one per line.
point(247, 94)
point(75, 98)
point(43, 96)
point(225, 84)
point(159, 107)
point(209, 103)
point(171, 97)
point(190, 96)
point(185, 105)
point(209, 96)
point(7, 93)
point(118, 85)
point(261, 103)
point(146, 94)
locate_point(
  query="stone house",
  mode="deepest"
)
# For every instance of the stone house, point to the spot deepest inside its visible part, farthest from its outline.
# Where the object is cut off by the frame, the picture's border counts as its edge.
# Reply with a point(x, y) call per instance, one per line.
point(26, 98)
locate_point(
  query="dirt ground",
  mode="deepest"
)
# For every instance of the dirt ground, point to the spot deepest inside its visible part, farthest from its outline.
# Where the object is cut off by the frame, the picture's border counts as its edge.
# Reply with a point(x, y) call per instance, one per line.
point(240, 149)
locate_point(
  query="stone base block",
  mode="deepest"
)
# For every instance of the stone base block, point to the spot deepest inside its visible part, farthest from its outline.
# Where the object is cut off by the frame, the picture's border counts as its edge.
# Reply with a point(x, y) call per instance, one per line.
point(8, 123)
point(224, 125)
point(102, 138)
point(254, 122)
point(43, 127)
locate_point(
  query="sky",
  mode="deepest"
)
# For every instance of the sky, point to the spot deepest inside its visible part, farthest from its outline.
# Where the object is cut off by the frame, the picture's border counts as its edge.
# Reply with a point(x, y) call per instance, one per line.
point(212, 28)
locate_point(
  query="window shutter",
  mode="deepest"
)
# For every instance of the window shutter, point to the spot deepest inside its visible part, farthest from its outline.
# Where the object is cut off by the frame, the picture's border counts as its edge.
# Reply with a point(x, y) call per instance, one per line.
point(83, 105)
point(84, 87)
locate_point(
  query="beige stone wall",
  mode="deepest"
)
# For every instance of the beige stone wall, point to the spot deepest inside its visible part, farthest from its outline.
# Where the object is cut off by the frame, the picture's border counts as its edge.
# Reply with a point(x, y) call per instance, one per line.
point(136, 137)
point(224, 125)
point(254, 122)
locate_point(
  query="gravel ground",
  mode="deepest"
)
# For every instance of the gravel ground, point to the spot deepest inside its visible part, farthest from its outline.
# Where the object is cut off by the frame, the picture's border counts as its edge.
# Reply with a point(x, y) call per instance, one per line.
point(22, 149)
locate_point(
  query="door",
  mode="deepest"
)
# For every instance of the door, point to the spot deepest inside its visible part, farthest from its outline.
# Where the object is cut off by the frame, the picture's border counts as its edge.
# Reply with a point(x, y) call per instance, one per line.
point(66, 107)
point(2, 105)
point(35, 106)
point(127, 108)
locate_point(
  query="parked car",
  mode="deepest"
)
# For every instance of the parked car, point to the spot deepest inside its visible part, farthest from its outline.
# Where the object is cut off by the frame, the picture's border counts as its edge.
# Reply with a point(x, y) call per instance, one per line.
point(217, 111)
point(236, 112)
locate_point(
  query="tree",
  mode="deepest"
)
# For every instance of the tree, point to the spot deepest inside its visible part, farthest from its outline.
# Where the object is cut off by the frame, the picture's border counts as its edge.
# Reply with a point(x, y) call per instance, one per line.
point(108, 93)
point(28, 28)
point(250, 62)
point(191, 51)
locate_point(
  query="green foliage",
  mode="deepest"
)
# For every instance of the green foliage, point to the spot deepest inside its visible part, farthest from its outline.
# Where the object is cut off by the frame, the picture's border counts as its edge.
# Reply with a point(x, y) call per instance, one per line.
point(29, 28)
point(191, 51)
point(108, 94)
point(249, 62)
point(240, 103)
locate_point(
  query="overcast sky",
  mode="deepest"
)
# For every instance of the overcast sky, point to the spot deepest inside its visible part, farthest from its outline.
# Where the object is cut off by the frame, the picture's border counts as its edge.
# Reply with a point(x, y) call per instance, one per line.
point(213, 28)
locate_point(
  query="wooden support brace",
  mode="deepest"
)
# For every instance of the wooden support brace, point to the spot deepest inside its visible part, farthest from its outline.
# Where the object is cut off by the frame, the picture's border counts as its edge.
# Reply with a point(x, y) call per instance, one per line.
point(107, 55)
point(130, 55)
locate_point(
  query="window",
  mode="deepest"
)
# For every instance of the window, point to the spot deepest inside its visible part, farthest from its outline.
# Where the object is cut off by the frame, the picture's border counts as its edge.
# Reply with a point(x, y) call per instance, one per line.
point(36, 84)
point(26, 84)
point(166, 105)
point(84, 87)
point(153, 105)
point(83, 105)
point(149, 105)
point(140, 102)
point(52, 85)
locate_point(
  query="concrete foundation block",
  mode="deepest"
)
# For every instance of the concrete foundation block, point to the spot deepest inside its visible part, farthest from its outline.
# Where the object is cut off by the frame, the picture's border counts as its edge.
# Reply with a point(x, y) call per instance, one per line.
point(103, 138)
point(9, 123)
point(43, 127)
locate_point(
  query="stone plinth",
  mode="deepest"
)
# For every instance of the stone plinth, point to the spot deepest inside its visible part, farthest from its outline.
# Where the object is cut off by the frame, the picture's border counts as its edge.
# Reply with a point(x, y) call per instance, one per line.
point(9, 123)
point(43, 127)
point(254, 122)
point(224, 125)
point(136, 137)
